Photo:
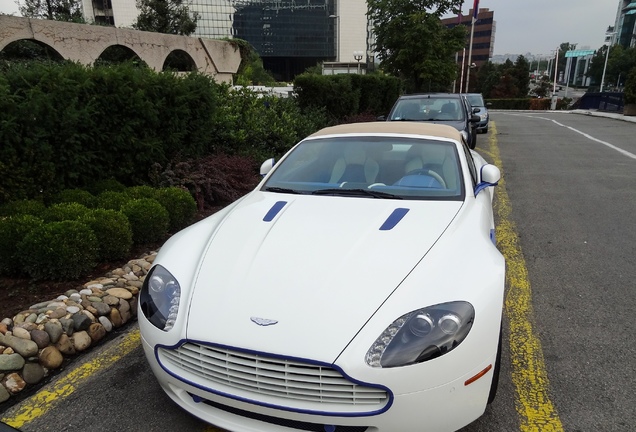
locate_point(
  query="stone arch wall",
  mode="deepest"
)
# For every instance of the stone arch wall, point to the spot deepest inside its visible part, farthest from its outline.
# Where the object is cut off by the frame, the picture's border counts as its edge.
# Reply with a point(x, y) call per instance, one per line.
point(85, 43)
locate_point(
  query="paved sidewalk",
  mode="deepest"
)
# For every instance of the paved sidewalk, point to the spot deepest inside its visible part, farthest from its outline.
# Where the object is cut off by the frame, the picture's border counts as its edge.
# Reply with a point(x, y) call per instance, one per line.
point(616, 116)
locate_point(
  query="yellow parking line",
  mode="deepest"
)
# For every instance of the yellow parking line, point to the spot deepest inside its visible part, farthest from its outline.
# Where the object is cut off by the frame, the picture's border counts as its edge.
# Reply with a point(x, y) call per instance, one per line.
point(50, 396)
point(529, 375)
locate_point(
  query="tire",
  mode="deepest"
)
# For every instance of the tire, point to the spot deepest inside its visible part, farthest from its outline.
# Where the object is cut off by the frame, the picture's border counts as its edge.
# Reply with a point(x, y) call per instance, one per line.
point(495, 374)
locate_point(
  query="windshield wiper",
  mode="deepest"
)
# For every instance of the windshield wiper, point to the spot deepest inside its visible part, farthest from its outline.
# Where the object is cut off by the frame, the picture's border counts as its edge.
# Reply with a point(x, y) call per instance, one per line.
point(282, 190)
point(356, 192)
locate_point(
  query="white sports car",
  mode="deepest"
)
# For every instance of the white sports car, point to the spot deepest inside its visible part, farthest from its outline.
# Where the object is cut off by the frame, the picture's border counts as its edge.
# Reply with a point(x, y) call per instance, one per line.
point(357, 288)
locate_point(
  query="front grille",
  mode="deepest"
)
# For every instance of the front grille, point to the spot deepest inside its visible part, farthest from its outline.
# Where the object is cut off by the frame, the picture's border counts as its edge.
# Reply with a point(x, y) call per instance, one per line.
point(289, 380)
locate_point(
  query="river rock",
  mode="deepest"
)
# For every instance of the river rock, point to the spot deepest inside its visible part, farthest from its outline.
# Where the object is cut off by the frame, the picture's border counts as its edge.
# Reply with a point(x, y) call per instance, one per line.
point(81, 340)
point(57, 313)
point(24, 347)
point(3, 328)
point(115, 318)
point(67, 325)
point(32, 373)
point(41, 338)
point(14, 383)
point(4, 394)
point(96, 331)
point(101, 308)
point(11, 362)
point(54, 331)
point(121, 293)
point(108, 326)
point(22, 333)
point(65, 345)
point(51, 357)
point(80, 322)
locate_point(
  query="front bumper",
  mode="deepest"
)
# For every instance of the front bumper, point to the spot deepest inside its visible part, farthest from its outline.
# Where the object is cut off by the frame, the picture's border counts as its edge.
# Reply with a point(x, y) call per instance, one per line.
point(442, 408)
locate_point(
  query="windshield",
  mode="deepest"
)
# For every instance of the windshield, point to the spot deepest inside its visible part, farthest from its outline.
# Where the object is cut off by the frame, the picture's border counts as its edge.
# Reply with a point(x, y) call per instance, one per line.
point(429, 109)
point(371, 167)
point(476, 100)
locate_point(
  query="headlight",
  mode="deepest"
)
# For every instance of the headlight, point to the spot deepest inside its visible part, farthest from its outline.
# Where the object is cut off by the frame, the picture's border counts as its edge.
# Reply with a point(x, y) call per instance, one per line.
point(484, 116)
point(422, 335)
point(159, 298)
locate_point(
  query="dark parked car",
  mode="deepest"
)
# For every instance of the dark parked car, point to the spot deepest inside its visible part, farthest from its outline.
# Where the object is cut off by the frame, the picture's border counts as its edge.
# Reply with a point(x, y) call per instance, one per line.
point(479, 108)
point(452, 109)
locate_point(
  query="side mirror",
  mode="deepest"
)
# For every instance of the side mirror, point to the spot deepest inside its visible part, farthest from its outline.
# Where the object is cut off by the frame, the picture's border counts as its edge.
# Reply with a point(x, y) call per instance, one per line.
point(490, 176)
point(474, 118)
point(381, 118)
point(476, 110)
point(267, 166)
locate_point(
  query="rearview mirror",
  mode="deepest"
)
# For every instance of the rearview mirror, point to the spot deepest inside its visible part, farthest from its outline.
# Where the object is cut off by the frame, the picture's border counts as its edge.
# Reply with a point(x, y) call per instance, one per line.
point(267, 166)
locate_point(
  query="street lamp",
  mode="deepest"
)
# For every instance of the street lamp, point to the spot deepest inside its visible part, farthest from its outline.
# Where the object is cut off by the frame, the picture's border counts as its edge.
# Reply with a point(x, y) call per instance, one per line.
point(337, 17)
point(611, 41)
point(358, 56)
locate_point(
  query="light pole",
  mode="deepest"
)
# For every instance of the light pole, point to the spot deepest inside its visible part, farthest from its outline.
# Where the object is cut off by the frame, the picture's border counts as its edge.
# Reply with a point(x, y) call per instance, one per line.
point(337, 17)
point(358, 56)
point(611, 41)
point(556, 70)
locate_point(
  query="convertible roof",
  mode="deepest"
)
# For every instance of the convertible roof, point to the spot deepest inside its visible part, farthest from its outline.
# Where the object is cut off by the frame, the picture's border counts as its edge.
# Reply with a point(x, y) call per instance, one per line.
point(392, 127)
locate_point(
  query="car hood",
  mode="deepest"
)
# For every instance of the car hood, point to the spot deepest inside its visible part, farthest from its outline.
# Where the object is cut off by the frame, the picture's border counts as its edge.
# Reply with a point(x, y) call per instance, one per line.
point(320, 266)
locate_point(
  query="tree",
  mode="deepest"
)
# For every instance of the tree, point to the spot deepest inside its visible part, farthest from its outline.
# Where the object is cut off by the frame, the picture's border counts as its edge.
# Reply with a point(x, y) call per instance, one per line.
point(251, 70)
point(412, 43)
point(166, 16)
point(58, 10)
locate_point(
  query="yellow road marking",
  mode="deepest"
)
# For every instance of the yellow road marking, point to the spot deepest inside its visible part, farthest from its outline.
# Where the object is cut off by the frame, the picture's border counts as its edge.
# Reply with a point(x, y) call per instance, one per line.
point(529, 375)
point(49, 397)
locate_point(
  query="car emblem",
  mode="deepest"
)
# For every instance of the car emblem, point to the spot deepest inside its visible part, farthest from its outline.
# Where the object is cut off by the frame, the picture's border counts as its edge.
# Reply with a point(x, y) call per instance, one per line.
point(263, 321)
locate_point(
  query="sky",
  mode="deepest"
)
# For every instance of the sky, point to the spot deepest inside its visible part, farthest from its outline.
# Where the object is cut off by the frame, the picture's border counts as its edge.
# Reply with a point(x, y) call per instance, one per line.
point(537, 27)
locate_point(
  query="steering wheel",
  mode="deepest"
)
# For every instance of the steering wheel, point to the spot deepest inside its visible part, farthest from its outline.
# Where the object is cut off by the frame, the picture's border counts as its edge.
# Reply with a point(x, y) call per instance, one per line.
point(428, 172)
point(371, 186)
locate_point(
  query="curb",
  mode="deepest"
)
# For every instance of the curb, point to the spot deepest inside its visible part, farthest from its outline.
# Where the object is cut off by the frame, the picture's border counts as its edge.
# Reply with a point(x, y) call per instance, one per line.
point(41, 339)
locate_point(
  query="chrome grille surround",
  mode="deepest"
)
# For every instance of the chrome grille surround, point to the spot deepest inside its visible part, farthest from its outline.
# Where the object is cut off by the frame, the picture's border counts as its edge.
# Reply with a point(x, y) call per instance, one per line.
point(287, 384)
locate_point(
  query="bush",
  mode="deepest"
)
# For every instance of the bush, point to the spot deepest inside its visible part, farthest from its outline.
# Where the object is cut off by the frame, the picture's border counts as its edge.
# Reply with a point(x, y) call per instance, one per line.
point(22, 207)
point(75, 196)
point(65, 211)
point(12, 231)
point(111, 200)
point(630, 87)
point(106, 185)
point(113, 232)
point(212, 180)
point(148, 220)
point(138, 192)
point(59, 251)
point(180, 205)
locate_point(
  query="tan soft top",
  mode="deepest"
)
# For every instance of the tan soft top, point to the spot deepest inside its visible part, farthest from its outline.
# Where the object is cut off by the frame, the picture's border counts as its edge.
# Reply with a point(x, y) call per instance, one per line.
point(392, 127)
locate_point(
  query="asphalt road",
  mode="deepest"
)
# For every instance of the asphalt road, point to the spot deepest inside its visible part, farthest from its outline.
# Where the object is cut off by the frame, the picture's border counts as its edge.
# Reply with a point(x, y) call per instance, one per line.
point(571, 185)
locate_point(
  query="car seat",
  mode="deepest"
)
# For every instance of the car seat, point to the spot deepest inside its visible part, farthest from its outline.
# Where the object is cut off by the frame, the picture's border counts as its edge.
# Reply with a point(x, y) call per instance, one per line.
point(355, 166)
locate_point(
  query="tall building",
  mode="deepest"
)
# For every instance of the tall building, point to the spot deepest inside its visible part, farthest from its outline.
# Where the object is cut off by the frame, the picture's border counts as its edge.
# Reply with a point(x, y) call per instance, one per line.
point(289, 35)
point(483, 35)
point(625, 25)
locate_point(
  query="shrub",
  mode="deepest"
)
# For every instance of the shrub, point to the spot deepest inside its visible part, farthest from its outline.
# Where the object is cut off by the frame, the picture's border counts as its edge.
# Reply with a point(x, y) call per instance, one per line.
point(59, 250)
point(630, 87)
point(75, 196)
point(12, 231)
point(212, 180)
point(106, 185)
point(113, 232)
point(138, 192)
point(111, 200)
point(65, 211)
point(22, 207)
point(148, 220)
point(180, 205)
